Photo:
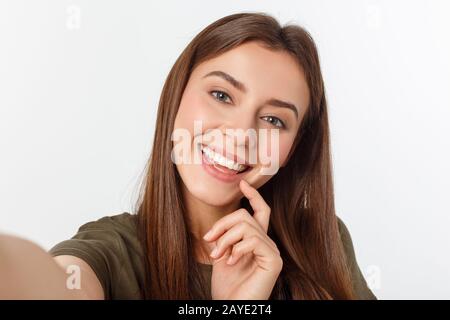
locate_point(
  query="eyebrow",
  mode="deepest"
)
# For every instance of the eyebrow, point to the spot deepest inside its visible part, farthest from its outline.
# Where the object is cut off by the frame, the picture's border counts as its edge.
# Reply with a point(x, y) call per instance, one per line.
point(241, 87)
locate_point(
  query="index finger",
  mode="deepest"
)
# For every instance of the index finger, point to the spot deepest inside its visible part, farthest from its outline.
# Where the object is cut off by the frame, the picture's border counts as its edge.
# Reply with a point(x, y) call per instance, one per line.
point(260, 207)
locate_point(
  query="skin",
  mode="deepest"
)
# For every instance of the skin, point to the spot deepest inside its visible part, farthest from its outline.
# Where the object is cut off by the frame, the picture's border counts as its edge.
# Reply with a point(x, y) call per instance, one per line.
point(211, 204)
point(215, 205)
point(39, 276)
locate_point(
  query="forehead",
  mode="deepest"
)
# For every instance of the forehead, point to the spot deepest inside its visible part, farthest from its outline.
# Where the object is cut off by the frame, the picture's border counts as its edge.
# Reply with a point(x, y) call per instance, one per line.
point(263, 71)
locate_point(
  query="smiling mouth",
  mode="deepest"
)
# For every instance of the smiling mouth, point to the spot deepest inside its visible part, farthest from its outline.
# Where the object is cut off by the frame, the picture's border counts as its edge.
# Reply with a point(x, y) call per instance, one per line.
point(221, 163)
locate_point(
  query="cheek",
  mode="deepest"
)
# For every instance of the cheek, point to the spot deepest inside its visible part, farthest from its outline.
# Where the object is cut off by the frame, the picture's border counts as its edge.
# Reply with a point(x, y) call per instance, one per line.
point(277, 153)
point(193, 107)
point(273, 147)
point(285, 147)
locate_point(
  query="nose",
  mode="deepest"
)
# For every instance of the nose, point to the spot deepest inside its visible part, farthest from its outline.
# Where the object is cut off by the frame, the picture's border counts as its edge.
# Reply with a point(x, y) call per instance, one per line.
point(243, 129)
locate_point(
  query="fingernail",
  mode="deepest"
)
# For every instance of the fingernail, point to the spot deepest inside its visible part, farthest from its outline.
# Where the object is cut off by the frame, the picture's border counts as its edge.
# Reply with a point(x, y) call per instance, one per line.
point(207, 235)
point(214, 252)
point(230, 260)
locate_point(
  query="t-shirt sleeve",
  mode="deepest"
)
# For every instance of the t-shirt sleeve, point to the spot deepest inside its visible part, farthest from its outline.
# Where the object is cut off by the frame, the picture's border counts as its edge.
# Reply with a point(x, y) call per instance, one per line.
point(362, 291)
point(100, 245)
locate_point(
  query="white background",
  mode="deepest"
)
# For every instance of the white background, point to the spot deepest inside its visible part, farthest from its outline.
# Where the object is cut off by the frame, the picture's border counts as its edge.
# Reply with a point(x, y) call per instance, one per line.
point(79, 87)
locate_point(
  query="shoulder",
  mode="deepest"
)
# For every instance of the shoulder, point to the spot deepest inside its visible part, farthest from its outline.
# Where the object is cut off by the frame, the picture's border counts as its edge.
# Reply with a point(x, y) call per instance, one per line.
point(110, 246)
point(347, 244)
point(361, 288)
point(119, 232)
point(123, 222)
point(113, 229)
point(345, 234)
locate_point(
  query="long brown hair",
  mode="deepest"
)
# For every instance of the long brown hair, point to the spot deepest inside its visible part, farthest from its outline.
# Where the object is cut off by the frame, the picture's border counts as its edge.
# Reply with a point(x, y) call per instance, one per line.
point(303, 223)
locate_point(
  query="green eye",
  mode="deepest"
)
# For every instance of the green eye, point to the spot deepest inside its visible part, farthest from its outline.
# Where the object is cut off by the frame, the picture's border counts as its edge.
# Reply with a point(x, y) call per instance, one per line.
point(220, 96)
point(275, 121)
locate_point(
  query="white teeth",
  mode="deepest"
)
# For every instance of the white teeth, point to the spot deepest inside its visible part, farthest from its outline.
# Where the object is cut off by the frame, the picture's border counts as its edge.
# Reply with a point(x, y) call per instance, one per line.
point(218, 158)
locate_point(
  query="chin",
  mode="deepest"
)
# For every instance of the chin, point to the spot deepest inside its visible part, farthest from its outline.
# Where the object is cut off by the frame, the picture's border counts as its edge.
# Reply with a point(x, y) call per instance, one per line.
point(217, 198)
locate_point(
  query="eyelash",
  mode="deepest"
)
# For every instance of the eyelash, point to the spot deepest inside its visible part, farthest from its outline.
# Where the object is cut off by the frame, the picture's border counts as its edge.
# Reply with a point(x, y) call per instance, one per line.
point(281, 123)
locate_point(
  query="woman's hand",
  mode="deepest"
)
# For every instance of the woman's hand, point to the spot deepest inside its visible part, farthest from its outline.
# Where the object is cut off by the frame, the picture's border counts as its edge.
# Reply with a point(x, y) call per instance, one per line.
point(247, 262)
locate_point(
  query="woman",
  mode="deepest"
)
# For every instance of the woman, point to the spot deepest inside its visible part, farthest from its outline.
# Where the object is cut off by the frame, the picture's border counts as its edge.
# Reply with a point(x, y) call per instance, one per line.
point(275, 232)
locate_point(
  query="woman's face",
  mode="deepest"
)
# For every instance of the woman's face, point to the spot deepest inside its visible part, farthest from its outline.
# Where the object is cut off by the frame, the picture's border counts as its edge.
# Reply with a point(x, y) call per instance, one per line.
point(248, 89)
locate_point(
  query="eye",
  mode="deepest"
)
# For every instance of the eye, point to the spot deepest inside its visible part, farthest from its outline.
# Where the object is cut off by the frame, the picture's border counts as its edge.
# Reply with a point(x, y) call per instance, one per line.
point(220, 95)
point(275, 121)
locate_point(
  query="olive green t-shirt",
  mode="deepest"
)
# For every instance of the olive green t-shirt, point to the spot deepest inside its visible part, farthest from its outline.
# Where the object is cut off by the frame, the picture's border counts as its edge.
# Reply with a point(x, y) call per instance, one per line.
point(111, 247)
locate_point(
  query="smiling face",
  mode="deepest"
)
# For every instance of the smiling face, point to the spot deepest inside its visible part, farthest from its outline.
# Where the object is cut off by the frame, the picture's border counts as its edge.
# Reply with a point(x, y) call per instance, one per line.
point(245, 89)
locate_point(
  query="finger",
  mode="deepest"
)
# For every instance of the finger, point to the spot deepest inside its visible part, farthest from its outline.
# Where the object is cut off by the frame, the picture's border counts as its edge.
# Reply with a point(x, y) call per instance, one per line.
point(225, 256)
point(265, 256)
point(240, 231)
point(227, 222)
point(260, 207)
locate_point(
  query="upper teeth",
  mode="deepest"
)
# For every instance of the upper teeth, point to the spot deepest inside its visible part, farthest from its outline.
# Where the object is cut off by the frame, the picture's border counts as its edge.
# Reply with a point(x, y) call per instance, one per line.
point(220, 159)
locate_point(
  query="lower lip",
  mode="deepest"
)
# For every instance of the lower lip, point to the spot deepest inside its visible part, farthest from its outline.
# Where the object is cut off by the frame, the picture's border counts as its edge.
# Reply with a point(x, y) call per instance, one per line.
point(213, 171)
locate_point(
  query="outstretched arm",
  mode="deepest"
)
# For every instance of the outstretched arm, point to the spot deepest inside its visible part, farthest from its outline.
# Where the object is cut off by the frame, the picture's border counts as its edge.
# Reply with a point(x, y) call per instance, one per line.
point(29, 272)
